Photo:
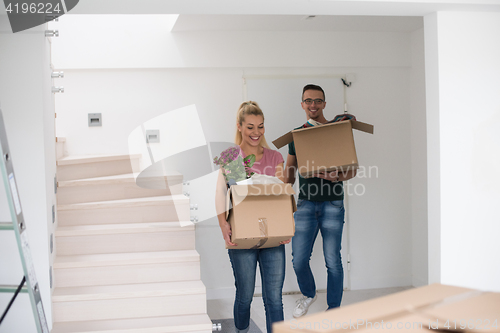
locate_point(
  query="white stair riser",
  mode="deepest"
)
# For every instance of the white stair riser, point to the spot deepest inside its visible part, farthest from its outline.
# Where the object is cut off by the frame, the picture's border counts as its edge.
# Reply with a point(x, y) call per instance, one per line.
point(171, 330)
point(123, 243)
point(176, 329)
point(135, 307)
point(94, 193)
point(59, 150)
point(126, 274)
point(199, 323)
point(131, 214)
point(96, 169)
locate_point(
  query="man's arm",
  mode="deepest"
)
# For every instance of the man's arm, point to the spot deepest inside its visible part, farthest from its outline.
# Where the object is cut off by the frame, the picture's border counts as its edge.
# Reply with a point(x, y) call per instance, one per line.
point(291, 168)
point(351, 173)
point(336, 176)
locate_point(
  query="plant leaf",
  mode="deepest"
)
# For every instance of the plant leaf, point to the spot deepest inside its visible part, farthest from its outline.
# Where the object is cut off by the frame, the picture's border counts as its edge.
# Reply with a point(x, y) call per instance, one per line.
point(251, 159)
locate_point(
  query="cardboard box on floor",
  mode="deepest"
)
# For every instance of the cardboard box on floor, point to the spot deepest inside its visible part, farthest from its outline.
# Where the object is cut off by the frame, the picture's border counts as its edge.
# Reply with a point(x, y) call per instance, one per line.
point(418, 310)
point(261, 215)
point(327, 147)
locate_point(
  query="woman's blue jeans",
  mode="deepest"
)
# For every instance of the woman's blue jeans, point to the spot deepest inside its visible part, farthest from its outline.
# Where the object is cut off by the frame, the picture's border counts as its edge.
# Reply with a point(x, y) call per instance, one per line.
point(311, 217)
point(272, 270)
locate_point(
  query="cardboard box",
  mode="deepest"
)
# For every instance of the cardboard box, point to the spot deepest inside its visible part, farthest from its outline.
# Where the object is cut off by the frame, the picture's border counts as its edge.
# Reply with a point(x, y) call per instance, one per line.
point(325, 148)
point(261, 215)
point(420, 310)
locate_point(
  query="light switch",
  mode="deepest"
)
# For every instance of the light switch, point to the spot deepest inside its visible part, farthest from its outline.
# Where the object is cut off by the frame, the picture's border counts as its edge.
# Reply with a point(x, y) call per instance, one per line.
point(95, 119)
point(153, 136)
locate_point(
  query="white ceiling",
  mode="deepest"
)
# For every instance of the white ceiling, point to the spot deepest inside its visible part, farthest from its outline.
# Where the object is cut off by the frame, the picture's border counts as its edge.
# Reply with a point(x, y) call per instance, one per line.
point(298, 23)
point(288, 15)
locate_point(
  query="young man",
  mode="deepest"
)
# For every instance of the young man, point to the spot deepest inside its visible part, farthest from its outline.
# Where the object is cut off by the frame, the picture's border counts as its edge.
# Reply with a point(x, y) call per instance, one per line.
point(320, 208)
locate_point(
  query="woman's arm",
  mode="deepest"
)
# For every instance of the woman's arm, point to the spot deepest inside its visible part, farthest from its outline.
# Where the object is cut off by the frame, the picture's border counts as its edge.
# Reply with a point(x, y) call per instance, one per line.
point(220, 207)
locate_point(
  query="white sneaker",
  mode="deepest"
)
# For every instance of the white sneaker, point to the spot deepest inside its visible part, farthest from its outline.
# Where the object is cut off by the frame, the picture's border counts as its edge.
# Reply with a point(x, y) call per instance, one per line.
point(302, 305)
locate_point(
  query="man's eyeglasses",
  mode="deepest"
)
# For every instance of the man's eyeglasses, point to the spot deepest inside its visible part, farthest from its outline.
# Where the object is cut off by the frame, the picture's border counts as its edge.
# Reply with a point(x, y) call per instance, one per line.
point(316, 101)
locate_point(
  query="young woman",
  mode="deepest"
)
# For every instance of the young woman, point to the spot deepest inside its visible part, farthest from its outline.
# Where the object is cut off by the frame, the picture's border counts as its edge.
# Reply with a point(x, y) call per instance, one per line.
point(250, 138)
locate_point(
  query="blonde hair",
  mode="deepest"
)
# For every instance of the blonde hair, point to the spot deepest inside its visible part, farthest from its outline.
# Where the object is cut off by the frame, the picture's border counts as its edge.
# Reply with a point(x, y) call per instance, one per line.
point(248, 108)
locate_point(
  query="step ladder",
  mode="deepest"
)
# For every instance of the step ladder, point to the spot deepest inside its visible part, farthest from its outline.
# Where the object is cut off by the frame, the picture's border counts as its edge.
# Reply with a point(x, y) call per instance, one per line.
point(18, 225)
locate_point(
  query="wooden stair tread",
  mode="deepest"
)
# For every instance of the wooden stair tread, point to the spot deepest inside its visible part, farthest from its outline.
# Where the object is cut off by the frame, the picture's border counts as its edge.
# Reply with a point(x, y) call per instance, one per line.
point(136, 258)
point(184, 323)
point(116, 179)
point(71, 160)
point(137, 290)
point(138, 202)
point(126, 228)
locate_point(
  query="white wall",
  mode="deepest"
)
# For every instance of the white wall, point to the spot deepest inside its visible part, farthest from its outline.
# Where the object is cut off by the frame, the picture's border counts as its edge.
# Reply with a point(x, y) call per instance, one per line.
point(49, 146)
point(211, 77)
point(418, 162)
point(127, 98)
point(381, 219)
point(464, 69)
point(144, 41)
point(433, 148)
point(25, 102)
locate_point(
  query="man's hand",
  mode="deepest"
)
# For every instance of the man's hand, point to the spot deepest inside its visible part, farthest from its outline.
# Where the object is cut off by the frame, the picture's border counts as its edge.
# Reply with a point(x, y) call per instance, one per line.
point(332, 176)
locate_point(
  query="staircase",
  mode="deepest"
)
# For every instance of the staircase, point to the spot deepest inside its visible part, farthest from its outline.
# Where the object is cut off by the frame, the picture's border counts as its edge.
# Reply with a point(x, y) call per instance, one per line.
point(125, 256)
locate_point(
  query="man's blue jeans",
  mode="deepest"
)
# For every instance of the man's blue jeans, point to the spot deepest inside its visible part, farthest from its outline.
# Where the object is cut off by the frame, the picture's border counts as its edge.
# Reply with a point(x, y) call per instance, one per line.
point(311, 217)
point(272, 270)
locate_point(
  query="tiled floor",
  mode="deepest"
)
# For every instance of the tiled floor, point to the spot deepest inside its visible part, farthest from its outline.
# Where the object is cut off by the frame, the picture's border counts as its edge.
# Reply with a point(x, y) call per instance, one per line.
point(223, 308)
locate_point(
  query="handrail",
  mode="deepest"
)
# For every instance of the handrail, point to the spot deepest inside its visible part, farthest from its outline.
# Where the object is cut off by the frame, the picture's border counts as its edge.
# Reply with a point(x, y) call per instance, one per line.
point(11, 288)
point(6, 226)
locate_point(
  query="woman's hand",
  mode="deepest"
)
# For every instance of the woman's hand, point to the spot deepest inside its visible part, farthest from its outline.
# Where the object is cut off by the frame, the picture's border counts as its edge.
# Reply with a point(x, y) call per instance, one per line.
point(226, 233)
point(286, 241)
